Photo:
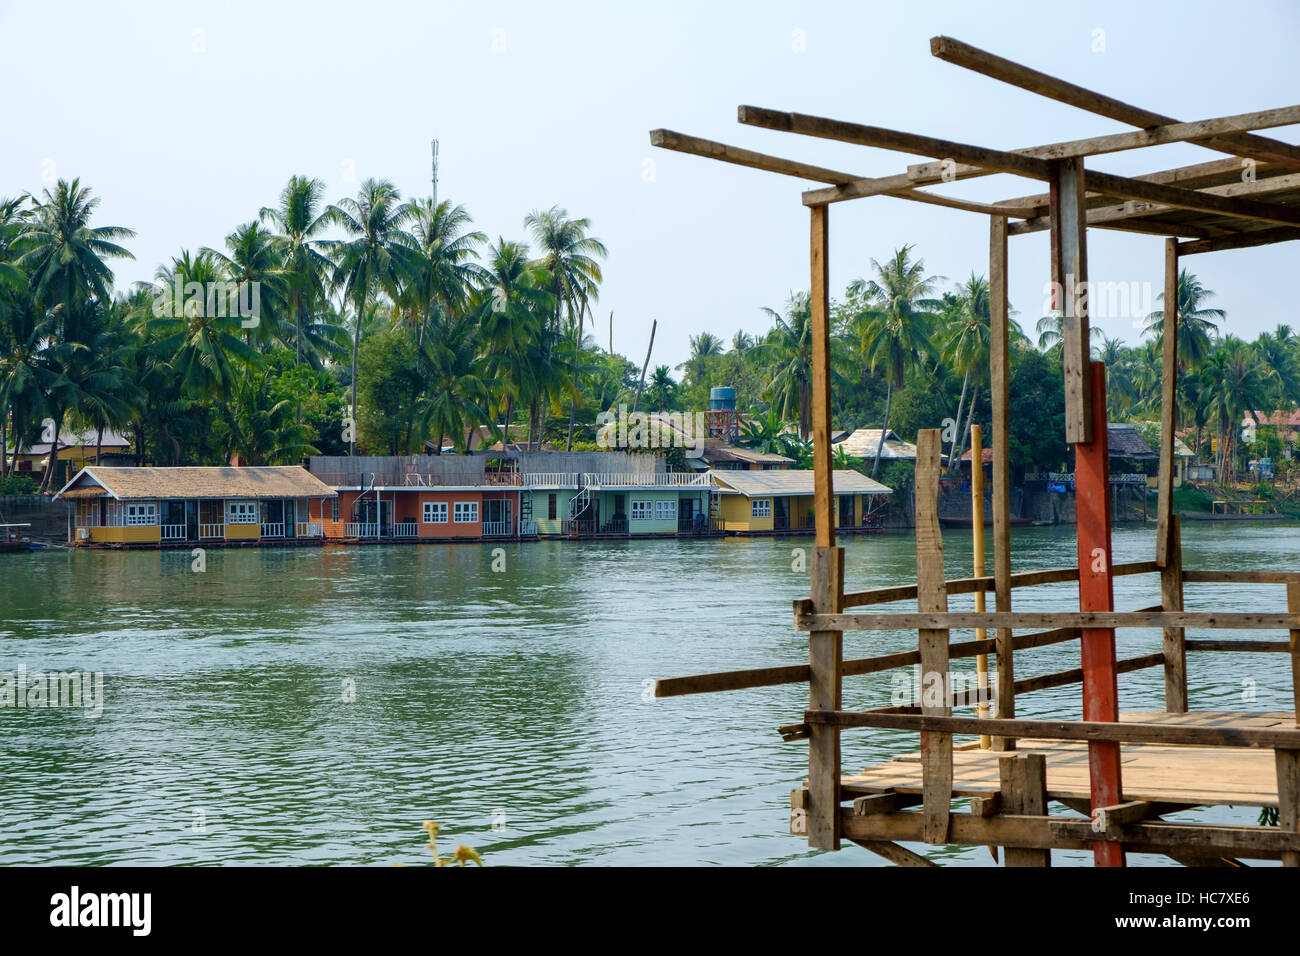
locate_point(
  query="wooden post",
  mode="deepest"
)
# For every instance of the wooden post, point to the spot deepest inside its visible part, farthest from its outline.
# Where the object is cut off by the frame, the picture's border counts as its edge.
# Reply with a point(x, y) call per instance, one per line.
point(1293, 606)
point(999, 374)
point(932, 595)
point(1069, 292)
point(977, 547)
point(1288, 797)
point(1096, 593)
point(1168, 404)
point(1174, 643)
point(1023, 779)
point(825, 648)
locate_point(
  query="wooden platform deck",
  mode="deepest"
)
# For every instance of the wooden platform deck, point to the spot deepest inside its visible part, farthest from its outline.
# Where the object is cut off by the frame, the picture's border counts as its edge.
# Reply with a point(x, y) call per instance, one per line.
point(1158, 773)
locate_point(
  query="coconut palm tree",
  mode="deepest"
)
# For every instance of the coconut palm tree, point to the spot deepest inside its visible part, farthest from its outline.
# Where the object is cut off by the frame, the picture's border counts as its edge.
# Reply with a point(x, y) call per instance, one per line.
point(458, 390)
point(569, 254)
point(893, 330)
point(1239, 388)
point(704, 346)
point(787, 350)
point(301, 222)
point(663, 390)
point(378, 255)
point(256, 262)
point(444, 270)
point(966, 349)
point(1197, 325)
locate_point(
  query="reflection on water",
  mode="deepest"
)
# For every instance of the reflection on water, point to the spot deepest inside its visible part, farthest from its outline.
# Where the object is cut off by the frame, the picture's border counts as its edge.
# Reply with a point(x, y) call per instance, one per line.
point(314, 706)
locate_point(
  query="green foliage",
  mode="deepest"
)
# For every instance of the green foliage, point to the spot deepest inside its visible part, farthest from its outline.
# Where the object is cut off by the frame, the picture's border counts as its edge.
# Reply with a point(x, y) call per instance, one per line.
point(17, 484)
point(1036, 411)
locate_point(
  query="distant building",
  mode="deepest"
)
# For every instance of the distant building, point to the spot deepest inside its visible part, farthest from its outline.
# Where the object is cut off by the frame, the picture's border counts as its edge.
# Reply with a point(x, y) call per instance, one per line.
point(863, 443)
point(141, 507)
point(770, 502)
point(77, 449)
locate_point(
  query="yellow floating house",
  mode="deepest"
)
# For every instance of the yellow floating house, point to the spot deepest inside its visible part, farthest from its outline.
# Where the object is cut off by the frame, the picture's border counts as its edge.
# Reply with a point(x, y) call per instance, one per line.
point(165, 507)
point(778, 502)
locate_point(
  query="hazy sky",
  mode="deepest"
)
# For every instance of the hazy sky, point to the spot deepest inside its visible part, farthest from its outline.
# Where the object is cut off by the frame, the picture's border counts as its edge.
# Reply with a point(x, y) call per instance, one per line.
point(186, 118)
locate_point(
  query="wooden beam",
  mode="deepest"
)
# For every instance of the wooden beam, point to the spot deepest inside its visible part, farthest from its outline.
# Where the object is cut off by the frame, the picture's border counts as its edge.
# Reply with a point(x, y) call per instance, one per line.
point(931, 595)
point(964, 620)
point(894, 853)
point(877, 136)
point(682, 143)
point(1117, 732)
point(1237, 207)
point(1288, 797)
point(1007, 71)
point(820, 305)
point(1244, 240)
point(1248, 647)
point(1069, 297)
point(1023, 779)
point(1241, 577)
point(1293, 605)
point(999, 379)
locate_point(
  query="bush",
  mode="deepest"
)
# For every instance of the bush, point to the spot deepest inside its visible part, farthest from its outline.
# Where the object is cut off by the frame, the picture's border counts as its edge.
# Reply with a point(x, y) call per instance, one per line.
point(17, 484)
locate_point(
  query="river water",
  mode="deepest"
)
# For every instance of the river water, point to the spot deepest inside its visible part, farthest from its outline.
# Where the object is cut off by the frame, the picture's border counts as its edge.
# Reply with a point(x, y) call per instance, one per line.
point(295, 706)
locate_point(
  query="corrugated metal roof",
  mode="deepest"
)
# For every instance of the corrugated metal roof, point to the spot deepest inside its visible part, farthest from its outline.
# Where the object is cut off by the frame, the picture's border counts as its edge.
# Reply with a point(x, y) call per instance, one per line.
point(757, 483)
point(863, 442)
point(272, 481)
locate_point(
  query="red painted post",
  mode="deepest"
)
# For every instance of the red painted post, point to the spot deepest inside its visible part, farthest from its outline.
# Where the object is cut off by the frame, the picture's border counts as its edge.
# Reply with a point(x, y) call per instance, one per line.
point(1096, 593)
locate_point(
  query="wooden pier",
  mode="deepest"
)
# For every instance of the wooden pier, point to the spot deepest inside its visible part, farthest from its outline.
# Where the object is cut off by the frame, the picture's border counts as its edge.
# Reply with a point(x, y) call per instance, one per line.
point(1113, 777)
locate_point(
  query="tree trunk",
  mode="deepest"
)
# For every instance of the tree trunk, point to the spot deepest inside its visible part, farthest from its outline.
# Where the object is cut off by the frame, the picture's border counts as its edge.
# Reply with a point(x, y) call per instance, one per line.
point(956, 425)
point(884, 427)
point(4, 442)
point(99, 444)
point(505, 431)
point(53, 462)
point(356, 346)
point(965, 434)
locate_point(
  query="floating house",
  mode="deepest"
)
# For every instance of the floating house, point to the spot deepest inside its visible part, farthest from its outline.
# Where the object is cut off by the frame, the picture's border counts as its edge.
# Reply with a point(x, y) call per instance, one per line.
point(162, 507)
point(774, 502)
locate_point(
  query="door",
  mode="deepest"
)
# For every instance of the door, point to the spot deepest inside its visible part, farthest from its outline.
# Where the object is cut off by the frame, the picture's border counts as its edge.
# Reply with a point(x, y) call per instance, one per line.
point(191, 521)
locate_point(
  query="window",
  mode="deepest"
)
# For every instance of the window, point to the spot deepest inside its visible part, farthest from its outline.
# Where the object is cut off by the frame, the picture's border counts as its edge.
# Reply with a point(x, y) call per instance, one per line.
point(146, 513)
point(760, 508)
point(666, 510)
point(465, 512)
point(552, 506)
point(241, 512)
point(435, 512)
point(641, 510)
point(334, 508)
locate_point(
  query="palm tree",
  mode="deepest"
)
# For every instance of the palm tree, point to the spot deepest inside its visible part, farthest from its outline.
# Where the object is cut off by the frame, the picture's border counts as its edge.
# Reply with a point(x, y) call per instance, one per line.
point(1238, 389)
point(1277, 353)
point(742, 342)
point(570, 255)
point(378, 255)
point(788, 350)
point(894, 329)
point(444, 271)
point(1197, 326)
point(1051, 332)
point(260, 430)
point(458, 390)
point(305, 265)
point(663, 390)
point(513, 330)
point(256, 261)
point(704, 346)
point(967, 350)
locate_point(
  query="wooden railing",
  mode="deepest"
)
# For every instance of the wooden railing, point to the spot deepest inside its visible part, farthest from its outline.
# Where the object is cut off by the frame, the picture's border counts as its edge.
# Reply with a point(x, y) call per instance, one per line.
point(173, 532)
point(307, 529)
point(272, 529)
point(211, 532)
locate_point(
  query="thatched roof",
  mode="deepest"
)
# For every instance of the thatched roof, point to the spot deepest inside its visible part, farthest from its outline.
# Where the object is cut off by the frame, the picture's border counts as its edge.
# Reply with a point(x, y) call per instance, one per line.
point(127, 484)
point(1125, 442)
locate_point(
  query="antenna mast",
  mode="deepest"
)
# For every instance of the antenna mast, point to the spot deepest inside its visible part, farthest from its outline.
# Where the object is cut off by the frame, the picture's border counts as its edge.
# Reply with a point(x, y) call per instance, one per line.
point(433, 143)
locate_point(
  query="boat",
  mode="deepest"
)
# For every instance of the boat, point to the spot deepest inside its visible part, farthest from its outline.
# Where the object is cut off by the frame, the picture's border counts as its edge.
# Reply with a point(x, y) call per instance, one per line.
point(12, 539)
point(954, 522)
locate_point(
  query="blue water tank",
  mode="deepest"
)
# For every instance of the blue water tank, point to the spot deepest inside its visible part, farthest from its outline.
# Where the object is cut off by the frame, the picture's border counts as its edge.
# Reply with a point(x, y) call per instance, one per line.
point(722, 398)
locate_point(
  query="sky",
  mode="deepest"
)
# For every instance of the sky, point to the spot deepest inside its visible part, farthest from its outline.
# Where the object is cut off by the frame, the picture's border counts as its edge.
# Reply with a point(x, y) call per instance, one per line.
point(187, 118)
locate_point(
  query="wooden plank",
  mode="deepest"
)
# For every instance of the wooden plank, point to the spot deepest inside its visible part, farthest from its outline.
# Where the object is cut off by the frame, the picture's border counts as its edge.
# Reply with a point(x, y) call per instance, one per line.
point(1075, 676)
point(1244, 240)
point(1288, 797)
point(819, 296)
point(682, 143)
point(1293, 605)
point(1173, 640)
point(1117, 732)
point(889, 802)
point(999, 378)
point(1069, 285)
point(1237, 207)
point(1007, 71)
point(977, 550)
point(1168, 407)
point(1241, 577)
point(1023, 780)
point(857, 133)
point(894, 853)
point(1254, 647)
point(932, 595)
point(954, 620)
